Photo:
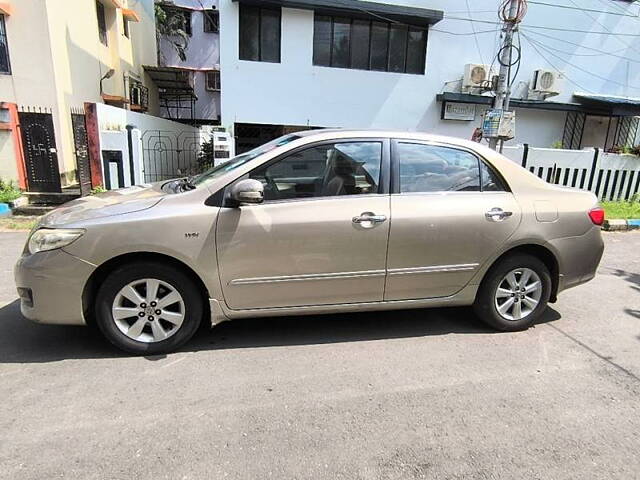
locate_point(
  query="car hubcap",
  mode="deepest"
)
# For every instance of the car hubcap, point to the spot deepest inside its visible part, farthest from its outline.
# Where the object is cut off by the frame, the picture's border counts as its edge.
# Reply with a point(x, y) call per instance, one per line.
point(148, 310)
point(518, 294)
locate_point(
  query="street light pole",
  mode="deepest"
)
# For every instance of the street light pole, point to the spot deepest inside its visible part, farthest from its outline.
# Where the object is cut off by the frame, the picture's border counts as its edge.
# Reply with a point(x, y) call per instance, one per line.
point(503, 90)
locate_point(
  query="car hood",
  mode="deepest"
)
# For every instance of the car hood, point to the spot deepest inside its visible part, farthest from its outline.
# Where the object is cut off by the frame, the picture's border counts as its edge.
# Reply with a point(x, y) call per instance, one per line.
point(115, 202)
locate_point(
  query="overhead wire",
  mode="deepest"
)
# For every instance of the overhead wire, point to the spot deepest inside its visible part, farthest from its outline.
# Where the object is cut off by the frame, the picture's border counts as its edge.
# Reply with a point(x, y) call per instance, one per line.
point(599, 53)
point(475, 36)
point(577, 67)
point(552, 65)
point(555, 5)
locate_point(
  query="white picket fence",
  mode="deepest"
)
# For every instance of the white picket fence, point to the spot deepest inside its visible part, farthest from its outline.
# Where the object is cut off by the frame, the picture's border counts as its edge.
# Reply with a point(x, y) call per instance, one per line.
point(610, 176)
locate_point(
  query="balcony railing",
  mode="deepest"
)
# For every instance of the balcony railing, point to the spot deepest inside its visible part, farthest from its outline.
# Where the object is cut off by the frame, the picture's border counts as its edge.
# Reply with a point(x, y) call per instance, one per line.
point(138, 97)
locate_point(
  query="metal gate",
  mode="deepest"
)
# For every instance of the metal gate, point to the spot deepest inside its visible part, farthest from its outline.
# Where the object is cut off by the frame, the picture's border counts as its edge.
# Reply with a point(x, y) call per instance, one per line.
point(41, 157)
point(81, 152)
point(168, 154)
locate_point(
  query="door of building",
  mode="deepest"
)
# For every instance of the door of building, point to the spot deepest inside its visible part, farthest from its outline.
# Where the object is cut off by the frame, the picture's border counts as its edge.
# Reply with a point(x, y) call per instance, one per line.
point(81, 152)
point(41, 155)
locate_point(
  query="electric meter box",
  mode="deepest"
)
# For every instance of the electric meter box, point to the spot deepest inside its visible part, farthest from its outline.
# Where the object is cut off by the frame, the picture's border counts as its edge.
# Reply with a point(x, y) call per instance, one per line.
point(499, 124)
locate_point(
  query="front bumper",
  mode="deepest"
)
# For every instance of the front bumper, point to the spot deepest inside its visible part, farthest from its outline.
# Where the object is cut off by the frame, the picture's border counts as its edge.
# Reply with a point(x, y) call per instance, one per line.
point(55, 280)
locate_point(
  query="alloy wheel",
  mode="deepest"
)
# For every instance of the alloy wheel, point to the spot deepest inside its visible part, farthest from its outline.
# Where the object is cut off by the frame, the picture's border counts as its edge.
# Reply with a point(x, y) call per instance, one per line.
point(148, 310)
point(518, 294)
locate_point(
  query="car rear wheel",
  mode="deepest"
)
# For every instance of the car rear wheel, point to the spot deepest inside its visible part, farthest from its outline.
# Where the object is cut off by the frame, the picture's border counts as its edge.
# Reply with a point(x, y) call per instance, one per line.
point(147, 308)
point(514, 293)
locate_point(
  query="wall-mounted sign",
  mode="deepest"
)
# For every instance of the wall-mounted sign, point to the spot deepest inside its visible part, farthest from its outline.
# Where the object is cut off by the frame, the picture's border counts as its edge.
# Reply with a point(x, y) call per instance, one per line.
point(459, 111)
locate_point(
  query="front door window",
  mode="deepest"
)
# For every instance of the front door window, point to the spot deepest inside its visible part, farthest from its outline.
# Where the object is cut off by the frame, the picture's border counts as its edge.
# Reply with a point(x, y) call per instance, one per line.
point(349, 168)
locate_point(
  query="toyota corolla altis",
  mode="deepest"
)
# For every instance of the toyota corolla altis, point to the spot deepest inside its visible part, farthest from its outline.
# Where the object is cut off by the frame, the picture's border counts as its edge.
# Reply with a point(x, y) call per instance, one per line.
point(316, 222)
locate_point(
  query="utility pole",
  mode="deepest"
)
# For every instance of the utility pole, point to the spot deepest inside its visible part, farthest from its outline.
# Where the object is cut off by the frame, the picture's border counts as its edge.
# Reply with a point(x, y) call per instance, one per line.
point(503, 93)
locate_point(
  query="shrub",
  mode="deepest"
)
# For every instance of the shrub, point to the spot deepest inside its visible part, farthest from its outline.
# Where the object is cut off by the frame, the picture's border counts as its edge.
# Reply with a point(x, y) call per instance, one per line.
point(8, 191)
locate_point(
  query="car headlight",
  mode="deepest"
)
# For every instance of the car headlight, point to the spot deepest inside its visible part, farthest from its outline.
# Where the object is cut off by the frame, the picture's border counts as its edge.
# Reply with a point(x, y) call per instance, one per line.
point(45, 239)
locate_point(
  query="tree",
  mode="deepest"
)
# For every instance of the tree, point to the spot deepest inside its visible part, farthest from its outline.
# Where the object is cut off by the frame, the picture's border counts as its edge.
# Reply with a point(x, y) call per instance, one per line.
point(170, 27)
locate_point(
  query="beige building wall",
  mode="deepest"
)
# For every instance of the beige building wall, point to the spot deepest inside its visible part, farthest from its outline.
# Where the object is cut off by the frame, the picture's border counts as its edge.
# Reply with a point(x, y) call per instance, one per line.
point(57, 59)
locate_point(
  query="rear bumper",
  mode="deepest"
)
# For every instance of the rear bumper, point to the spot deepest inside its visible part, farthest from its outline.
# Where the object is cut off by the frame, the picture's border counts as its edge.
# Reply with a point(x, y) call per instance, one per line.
point(578, 257)
point(50, 285)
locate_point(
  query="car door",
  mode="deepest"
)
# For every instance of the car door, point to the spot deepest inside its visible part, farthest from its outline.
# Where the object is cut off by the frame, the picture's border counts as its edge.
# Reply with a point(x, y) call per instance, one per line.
point(319, 237)
point(451, 211)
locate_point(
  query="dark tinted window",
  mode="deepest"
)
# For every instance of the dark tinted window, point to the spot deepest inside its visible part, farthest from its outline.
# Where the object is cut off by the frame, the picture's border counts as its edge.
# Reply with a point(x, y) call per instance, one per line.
point(397, 48)
point(368, 45)
point(416, 50)
point(102, 24)
point(351, 168)
point(322, 40)
point(341, 42)
point(5, 65)
point(431, 168)
point(211, 21)
point(491, 181)
point(360, 36)
point(379, 45)
point(259, 34)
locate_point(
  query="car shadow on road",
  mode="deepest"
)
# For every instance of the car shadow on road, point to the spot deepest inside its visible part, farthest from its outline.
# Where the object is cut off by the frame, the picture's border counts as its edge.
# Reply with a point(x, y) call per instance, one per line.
point(22, 341)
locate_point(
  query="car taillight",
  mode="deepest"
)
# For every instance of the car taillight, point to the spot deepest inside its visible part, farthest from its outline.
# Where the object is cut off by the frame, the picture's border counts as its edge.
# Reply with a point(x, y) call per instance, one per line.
point(597, 215)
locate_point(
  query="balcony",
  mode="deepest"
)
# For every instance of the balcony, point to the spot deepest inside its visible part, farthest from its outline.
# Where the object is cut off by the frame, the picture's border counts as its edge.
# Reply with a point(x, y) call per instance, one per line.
point(138, 97)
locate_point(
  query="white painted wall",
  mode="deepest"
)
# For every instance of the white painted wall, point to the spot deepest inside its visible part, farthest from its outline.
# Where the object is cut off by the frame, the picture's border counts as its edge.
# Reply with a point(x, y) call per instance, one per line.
point(112, 122)
point(295, 92)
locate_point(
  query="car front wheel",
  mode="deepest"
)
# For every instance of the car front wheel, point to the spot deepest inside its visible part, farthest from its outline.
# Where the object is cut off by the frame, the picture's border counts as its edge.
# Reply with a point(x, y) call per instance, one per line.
point(148, 308)
point(514, 293)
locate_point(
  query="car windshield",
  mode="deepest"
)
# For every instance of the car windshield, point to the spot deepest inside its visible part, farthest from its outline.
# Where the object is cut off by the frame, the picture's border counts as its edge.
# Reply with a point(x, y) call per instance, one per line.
point(243, 158)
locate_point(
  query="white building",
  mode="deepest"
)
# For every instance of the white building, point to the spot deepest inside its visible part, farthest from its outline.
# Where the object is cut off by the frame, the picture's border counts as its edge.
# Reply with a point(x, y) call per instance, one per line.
point(290, 64)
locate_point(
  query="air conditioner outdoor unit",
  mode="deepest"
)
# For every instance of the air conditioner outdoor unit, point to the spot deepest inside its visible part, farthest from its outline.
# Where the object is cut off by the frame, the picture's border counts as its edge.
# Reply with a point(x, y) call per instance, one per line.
point(546, 82)
point(477, 76)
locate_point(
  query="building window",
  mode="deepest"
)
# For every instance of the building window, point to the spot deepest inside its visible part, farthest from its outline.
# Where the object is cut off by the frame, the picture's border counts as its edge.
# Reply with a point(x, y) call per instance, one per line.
point(368, 45)
point(211, 21)
point(212, 81)
point(259, 34)
point(102, 24)
point(125, 28)
point(5, 65)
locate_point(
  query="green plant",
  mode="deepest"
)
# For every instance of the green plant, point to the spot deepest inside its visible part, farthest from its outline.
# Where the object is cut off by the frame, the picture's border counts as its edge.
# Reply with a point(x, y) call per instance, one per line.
point(557, 144)
point(622, 209)
point(98, 189)
point(8, 191)
point(170, 27)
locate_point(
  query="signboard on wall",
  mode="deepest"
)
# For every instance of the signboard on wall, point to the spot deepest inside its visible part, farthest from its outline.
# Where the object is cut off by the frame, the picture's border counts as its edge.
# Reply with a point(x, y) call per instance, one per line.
point(459, 111)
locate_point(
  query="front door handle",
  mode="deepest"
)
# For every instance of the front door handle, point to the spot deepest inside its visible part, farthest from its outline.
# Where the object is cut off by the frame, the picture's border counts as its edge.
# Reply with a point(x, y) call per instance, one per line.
point(368, 219)
point(497, 214)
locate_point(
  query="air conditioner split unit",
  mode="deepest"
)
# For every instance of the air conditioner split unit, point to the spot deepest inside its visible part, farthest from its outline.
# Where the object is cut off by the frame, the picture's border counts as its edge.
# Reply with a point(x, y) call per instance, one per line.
point(546, 82)
point(477, 76)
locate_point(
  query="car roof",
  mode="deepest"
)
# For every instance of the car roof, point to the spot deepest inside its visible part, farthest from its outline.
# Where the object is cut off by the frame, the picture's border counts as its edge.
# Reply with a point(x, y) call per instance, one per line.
point(326, 133)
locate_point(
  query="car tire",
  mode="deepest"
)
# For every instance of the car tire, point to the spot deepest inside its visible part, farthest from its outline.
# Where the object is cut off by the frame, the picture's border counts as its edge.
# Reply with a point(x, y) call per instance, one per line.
point(169, 283)
point(498, 308)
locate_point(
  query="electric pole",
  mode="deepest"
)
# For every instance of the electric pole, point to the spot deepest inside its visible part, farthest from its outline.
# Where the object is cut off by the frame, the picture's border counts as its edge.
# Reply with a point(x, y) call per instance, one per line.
point(503, 93)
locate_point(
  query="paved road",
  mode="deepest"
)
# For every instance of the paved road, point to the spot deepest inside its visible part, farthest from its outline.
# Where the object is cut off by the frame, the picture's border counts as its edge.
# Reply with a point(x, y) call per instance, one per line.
point(411, 394)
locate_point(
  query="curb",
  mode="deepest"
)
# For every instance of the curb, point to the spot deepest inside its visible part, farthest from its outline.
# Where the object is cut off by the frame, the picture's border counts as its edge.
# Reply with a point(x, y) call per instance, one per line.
point(621, 225)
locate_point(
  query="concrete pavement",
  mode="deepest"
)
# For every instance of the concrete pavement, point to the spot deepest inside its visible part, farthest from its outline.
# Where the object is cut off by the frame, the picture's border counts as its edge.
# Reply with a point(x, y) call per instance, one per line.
point(394, 395)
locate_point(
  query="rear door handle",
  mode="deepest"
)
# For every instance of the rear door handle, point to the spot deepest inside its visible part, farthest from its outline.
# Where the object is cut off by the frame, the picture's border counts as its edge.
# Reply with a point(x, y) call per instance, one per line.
point(368, 219)
point(497, 214)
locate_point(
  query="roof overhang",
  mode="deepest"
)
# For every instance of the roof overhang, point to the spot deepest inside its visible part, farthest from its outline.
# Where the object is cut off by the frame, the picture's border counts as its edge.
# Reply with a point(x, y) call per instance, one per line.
point(171, 81)
point(616, 105)
point(356, 8)
point(519, 103)
point(130, 15)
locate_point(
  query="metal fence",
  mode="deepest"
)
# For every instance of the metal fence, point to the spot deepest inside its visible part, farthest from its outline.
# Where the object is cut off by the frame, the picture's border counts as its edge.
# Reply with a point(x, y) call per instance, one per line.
point(609, 176)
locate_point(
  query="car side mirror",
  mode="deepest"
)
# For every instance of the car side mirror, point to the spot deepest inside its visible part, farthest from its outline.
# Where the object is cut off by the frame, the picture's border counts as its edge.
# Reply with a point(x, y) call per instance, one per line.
point(247, 191)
